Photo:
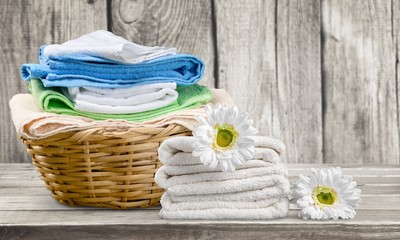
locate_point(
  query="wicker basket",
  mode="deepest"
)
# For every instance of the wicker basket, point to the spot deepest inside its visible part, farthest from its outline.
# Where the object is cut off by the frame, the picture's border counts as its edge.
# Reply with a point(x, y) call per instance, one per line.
point(102, 168)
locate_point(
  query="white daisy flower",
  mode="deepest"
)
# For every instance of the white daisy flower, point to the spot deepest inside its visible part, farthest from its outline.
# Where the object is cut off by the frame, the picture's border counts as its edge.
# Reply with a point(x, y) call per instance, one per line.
point(326, 194)
point(224, 137)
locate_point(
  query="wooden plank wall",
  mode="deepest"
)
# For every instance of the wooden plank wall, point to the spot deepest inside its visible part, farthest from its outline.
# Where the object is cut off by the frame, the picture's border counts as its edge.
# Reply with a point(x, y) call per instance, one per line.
point(321, 75)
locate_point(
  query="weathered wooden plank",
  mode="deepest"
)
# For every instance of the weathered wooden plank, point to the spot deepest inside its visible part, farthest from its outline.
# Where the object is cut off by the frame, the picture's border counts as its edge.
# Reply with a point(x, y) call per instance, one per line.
point(297, 118)
point(147, 225)
point(396, 39)
point(33, 214)
point(94, 216)
point(26, 25)
point(359, 90)
point(277, 67)
point(149, 232)
point(185, 25)
point(246, 45)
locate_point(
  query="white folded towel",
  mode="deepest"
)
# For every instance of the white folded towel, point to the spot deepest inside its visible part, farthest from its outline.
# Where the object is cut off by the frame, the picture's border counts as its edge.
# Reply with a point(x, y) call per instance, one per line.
point(258, 189)
point(229, 186)
point(170, 205)
point(169, 151)
point(121, 101)
point(165, 181)
point(201, 168)
point(123, 96)
point(246, 196)
point(107, 46)
point(277, 210)
point(164, 178)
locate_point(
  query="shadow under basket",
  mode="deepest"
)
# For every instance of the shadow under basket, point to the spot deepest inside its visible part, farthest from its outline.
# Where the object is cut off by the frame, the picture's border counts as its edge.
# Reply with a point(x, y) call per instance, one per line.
point(103, 168)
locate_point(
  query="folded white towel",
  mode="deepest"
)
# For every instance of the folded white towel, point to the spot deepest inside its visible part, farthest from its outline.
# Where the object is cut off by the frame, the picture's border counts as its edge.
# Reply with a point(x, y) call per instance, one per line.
point(169, 151)
point(229, 186)
point(170, 205)
point(121, 101)
point(267, 155)
point(201, 168)
point(277, 210)
point(109, 46)
point(164, 178)
point(123, 96)
point(246, 196)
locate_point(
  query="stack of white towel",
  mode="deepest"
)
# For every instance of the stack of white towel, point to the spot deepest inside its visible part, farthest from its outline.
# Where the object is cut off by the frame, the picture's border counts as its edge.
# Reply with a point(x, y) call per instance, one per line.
point(256, 190)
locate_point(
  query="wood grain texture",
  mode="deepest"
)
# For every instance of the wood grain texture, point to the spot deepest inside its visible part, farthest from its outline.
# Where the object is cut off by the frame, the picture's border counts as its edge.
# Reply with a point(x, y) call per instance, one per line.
point(246, 44)
point(26, 25)
point(138, 229)
point(396, 39)
point(297, 104)
point(185, 25)
point(34, 215)
point(360, 112)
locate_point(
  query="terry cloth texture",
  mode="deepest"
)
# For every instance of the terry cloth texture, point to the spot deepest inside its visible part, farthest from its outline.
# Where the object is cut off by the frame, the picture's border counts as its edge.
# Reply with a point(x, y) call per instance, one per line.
point(122, 100)
point(64, 71)
point(258, 189)
point(52, 100)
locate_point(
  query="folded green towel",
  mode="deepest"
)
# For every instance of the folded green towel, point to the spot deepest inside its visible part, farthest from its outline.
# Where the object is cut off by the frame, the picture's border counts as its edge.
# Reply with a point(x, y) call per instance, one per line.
point(52, 100)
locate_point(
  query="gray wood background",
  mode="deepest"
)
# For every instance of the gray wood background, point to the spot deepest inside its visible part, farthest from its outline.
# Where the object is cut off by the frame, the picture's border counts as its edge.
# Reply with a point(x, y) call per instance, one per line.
point(321, 75)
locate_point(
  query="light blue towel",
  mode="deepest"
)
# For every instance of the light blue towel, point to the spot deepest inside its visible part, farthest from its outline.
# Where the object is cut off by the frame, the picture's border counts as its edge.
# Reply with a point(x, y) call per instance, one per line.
point(82, 70)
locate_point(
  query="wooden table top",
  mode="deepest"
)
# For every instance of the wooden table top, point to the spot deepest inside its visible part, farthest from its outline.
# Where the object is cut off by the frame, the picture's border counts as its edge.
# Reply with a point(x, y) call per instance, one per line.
point(27, 211)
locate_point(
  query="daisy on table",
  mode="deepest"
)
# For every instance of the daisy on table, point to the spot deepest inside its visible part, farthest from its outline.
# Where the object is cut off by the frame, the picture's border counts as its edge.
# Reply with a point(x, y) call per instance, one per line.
point(326, 194)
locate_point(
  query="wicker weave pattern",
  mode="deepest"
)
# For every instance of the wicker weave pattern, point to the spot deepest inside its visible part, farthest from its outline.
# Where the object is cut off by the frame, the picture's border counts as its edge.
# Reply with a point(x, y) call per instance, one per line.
point(103, 168)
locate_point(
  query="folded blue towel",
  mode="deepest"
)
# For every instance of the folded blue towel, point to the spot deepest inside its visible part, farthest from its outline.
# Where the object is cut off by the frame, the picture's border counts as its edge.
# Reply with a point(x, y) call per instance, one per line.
point(80, 70)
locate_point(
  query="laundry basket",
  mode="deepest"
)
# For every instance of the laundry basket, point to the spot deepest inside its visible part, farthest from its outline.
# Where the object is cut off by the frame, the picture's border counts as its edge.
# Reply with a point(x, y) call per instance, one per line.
point(101, 167)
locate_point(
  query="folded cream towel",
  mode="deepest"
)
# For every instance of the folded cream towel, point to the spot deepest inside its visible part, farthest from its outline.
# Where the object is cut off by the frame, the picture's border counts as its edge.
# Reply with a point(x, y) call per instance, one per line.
point(166, 172)
point(170, 149)
point(246, 196)
point(187, 159)
point(32, 123)
point(277, 210)
point(125, 100)
point(122, 96)
point(229, 186)
point(107, 45)
point(165, 181)
point(170, 205)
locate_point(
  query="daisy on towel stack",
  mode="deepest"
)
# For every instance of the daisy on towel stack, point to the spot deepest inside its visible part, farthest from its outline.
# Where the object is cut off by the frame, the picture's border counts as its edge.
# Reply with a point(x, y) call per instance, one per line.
point(103, 76)
point(256, 190)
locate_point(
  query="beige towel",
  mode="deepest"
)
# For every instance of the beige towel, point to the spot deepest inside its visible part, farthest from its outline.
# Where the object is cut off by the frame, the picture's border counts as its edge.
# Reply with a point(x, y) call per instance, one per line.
point(32, 123)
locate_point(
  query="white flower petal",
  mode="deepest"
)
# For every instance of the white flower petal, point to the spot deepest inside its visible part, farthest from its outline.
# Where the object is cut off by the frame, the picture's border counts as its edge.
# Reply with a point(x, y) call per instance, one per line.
point(205, 134)
point(346, 194)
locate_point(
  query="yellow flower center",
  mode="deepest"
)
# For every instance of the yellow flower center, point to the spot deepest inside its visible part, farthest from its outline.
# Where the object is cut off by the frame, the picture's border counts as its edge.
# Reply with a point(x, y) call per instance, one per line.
point(225, 137)
point(324, 196)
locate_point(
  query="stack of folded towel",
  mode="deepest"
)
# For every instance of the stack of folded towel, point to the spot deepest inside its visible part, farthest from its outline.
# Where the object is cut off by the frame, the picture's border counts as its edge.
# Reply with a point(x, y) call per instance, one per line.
point(256, 190)
point(103, 76)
